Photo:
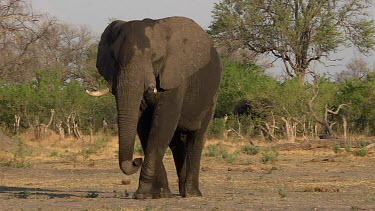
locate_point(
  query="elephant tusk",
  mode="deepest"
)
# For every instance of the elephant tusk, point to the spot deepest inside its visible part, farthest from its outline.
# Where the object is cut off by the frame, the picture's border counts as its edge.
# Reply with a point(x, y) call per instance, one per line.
point(98, 93)
point(152, 89)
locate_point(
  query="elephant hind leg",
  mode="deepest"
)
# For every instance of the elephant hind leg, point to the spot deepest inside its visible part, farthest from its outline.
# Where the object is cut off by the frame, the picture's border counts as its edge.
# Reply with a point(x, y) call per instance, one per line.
point(178, 148)
point(195, 141)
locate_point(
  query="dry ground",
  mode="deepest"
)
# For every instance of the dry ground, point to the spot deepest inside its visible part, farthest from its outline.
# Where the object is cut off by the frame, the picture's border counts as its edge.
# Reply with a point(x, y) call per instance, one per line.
point(71, 175)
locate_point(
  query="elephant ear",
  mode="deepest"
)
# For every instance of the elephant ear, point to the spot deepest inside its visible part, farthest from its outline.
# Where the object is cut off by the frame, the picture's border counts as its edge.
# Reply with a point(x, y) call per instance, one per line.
point(108, 50)
point(188, 50)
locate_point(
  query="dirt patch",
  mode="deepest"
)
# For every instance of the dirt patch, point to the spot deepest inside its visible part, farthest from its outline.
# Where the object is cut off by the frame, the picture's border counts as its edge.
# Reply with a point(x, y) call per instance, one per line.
point(71, 175)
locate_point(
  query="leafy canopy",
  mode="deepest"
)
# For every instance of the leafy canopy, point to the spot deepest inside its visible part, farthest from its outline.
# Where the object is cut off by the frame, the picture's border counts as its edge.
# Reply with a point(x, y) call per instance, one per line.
point(297, 32)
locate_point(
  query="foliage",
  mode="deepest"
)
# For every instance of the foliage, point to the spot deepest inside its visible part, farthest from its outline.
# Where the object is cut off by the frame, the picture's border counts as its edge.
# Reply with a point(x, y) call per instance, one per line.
point(297, 32)
point(269, 157)
point(361, 113)
point(336, 148)
point(217, 128)
point(251, 149)
point(239, 81)
point(218, 151)
point(288, 100)
point(54, 153)
point(59, 64)
point(282, 193)
point(361, 152)
point(33, 101)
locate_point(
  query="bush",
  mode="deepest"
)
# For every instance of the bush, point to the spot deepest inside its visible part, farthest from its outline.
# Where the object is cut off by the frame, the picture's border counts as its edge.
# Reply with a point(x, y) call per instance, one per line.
point(216, 151)
point(217, 128)
point(269, 157)
point(336, 148)
point(54, 153)
point(251, 149)
point(219, 151)
point(361, 152)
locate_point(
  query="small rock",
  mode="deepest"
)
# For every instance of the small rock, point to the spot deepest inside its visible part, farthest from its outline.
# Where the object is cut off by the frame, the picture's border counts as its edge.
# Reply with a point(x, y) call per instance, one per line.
point(125, 181)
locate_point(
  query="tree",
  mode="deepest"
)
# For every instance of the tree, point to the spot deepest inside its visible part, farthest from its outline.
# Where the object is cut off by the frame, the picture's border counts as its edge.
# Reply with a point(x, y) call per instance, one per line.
point(20, 30)
point(298, 32)
point(357, 68)
point(31, 41)
point(361, 114)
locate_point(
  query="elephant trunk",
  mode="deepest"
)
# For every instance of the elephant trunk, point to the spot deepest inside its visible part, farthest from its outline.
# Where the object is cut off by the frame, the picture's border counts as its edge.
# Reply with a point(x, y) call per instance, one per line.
point(128, 99)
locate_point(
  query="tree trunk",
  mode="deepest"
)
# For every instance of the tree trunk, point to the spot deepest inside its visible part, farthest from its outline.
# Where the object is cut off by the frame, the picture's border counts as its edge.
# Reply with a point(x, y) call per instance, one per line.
point(345, 127)
point(17, 124)
point(61, 130)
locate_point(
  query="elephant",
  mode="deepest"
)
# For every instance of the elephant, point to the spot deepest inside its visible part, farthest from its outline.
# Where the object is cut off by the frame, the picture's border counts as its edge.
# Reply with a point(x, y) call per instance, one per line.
point(165, 75)
point(242, 107)
point(255, 108)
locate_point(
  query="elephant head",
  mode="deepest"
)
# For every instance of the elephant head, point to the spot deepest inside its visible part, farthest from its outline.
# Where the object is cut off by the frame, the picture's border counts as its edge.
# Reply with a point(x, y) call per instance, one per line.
point(137, 56)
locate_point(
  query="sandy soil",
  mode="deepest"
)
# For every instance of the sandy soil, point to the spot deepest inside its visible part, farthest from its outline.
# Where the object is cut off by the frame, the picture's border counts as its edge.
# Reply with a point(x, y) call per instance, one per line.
point(64, 176)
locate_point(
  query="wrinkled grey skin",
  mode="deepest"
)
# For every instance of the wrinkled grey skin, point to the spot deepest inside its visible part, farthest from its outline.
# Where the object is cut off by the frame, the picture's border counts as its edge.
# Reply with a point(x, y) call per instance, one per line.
point(176, 57)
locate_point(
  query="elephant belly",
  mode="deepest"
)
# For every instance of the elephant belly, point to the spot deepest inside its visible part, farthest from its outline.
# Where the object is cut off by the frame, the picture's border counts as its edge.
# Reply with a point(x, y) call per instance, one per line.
point(191, 120)
point(200, 97)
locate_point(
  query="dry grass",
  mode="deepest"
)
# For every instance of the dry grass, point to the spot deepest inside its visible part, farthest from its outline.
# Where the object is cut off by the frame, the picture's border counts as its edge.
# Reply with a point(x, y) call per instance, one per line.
point(82, 175)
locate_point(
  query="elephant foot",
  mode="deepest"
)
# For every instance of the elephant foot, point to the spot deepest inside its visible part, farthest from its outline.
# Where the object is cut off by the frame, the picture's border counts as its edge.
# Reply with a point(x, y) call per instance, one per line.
point(153, 194)
point(191, 192)
point(166, 193)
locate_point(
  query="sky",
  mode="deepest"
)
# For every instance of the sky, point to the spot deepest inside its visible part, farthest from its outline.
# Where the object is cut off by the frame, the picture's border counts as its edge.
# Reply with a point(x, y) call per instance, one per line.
point(96, 15)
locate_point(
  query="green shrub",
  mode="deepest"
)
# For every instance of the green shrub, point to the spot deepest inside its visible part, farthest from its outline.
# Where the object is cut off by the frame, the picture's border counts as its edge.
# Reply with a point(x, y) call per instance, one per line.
point(216, 151)
point(232, 157)
point(87, 152)
point(269, 157)
point(361, 152)
point(24, 194)
point(282, 193)
point(336, 148)
point(219, 151)
point(251, 149)
point(54, 153)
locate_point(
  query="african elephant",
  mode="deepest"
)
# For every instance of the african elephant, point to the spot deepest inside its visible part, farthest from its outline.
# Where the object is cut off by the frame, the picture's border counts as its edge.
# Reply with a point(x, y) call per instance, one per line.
point(165, 76)
point(255, 108)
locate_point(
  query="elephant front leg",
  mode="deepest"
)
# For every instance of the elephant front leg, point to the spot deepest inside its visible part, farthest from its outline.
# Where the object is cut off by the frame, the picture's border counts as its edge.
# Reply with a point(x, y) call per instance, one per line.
point(153, 178)
point(153, 187)
point(151, 190)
